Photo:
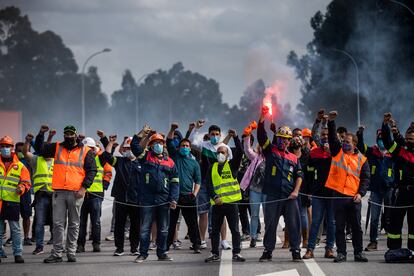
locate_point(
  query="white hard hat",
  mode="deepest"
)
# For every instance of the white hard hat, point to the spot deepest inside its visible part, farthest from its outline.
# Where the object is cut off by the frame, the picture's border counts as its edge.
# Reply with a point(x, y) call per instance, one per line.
point(89, 142)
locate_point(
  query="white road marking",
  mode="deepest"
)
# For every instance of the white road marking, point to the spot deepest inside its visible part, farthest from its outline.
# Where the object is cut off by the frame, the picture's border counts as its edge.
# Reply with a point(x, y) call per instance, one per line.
point(226, 264)
point(313, 267)
point(291, 272)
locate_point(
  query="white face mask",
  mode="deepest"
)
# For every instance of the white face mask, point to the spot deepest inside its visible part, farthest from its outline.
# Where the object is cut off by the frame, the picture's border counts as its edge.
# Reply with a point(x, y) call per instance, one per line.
point(221, 158)
point(128, 154)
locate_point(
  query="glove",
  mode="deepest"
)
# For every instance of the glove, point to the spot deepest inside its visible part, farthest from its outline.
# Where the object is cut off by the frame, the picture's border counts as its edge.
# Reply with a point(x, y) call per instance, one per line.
point(253, 125)
point(247, 131)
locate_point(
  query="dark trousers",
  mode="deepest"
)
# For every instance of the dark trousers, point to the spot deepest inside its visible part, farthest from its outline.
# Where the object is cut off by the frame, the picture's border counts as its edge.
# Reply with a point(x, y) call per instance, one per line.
point(404, 197)
point(290, 210)
point(121, 213)
point(230, 211)
point(190, 217)
point(161, 214)
point(92, 206)
point(43, 209)
point(346, 210)
point(244, 216)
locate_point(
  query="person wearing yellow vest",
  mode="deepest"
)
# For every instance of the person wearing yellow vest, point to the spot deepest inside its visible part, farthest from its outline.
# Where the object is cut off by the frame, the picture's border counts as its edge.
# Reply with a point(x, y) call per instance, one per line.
point(349, 177)
point(74, 170)
point(92, 205)
point(224, 191)
point(14, 182)
point(42, 169)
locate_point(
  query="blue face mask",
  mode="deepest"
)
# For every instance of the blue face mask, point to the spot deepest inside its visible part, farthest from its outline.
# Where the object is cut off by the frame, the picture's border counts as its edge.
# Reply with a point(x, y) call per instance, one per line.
point(185, 151)
point(6, 152)
point(158, 148)
point(280, 143)
point(176, 142)
point(346, 147)
point(380, 144)
point(214, 139)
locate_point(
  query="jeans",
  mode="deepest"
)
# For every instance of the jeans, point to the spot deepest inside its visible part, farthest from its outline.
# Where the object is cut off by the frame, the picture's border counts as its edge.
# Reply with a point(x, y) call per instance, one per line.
point(255, 199)
point(346, 210)
point(92, 205)
point(42, 208)
point(15, 235)
point(190, 217)
point(378, 198)
point(320, 207)
point(122, 212)
point(303, 213)
point(290, 210)
point(230, 211)
point(162, 216)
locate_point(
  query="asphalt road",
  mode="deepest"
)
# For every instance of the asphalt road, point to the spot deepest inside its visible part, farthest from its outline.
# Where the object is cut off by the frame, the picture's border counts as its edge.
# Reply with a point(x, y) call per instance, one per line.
point(186, 263)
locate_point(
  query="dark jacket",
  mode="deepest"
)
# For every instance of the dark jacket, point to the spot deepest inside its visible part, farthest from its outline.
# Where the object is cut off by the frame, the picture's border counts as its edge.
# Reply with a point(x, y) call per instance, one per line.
point(335, 147)
point(49, 150)
point(318, 170)
point(282, 167)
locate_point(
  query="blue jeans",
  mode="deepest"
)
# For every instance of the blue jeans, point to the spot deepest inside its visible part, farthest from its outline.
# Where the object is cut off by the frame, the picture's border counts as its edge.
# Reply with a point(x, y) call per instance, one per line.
point(255, 198)
point(15, 235)
point(378, 198)
point(42, 208)
point(321, 207)
point(92, 205)
point(162, 216)
point(303, 213)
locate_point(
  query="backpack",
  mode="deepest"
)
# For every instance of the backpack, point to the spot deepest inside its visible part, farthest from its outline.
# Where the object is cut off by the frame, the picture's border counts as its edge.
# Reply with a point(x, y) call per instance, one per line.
point(401, 255)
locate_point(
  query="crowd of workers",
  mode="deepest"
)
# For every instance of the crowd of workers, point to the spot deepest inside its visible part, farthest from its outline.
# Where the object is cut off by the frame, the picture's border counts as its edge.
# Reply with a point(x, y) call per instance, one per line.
point(315, 179)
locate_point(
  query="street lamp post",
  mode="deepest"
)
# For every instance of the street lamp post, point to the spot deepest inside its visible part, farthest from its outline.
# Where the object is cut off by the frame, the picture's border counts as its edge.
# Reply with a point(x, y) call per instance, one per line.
point(137, 102)
point(83, 85)
point(403, 5)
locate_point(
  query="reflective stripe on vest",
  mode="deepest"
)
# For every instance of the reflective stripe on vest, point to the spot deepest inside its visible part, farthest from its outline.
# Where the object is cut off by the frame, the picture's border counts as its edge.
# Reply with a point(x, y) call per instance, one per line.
point(345, 172)
point(68, 172)
point(225, 185)
point(9, 183)
point(97, 185)
point(42, 178)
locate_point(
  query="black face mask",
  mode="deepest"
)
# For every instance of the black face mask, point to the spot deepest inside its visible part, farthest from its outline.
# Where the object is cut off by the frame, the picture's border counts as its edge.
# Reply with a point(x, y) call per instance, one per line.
point(70, 141)
point(410, 146)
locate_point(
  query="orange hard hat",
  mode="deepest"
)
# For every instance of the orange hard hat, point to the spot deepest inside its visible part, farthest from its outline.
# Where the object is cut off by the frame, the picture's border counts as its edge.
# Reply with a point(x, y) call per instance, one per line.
point(155, 137)
point(7, 140)
point(306, 132)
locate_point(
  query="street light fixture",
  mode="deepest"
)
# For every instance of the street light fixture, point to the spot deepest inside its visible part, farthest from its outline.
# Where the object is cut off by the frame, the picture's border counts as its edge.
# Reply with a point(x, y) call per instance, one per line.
point(137, 102)
point(403, 5)
point(83, 84)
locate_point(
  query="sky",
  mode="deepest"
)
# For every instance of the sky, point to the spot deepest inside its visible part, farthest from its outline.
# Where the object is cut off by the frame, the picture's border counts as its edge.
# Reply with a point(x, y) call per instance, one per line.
point(234, 42)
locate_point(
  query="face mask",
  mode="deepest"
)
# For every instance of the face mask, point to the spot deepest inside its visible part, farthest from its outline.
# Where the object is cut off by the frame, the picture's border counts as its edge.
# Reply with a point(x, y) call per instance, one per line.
point(410, 146)
point(380, 144)
point(128, 154)
point(280, 143)
point(185, 151)
point(214, 139)
point(324, 141)
point(158, 148)
point(221, 158)
point(346, 147)
point(20, 155)
point(6, 152)
point(70, 140)
point(176, 142)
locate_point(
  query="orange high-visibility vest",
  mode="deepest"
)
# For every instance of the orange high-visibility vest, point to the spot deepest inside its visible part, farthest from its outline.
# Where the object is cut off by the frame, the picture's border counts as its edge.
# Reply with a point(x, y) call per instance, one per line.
point(68, 172)
point(344, 174)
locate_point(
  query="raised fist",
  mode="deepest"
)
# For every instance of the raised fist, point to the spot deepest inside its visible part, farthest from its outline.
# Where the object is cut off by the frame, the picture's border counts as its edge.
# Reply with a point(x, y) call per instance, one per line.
point(200, 123)
point(332, 115)
point(52, 132)
point(232, 133)
point(174, 126)
point(29, 137)
point(44, 128)
point(387, 117)
point(191, 125)
point(112, 138)
point(321, 113)
point(100, 133)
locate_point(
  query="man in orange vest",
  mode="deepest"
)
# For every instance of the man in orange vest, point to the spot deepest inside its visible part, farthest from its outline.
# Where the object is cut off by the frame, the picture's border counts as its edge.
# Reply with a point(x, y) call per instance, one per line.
point(349, 178)
point(73, 172)
point(14, 182)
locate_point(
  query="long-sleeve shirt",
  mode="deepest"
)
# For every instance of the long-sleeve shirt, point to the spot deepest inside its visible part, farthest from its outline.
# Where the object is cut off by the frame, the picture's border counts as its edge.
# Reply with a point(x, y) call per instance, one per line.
point(255, 160)
point(49, 150)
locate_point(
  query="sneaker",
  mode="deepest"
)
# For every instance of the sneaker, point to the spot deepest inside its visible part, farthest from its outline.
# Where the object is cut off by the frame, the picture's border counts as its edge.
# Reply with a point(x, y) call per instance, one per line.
point(296, 256)
point(197, 251)
point(8, 242)
point(119, 252)
point(212, 258)
point(259, 239)
point(203, 245)
point(266, 256)
point(134, 253)
point(372, 246)
point(360, 258)
point(225, 245)
point(38, 251)
point(71, 258)
point(152, 245)
point(177, 245)
point(349, 238)
point(80, 248)
point(52, 259)
point(50, 242)
point(238, 258)
point(165, 257)
point(140, 259)
point(252, 243)
point(329, 254)
point(27, 242)
point(110, 238)
point(18, 259)
point(317, 243)
point(340, 258)
point(308, 255)
point(245, 237)
point(96, 248)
